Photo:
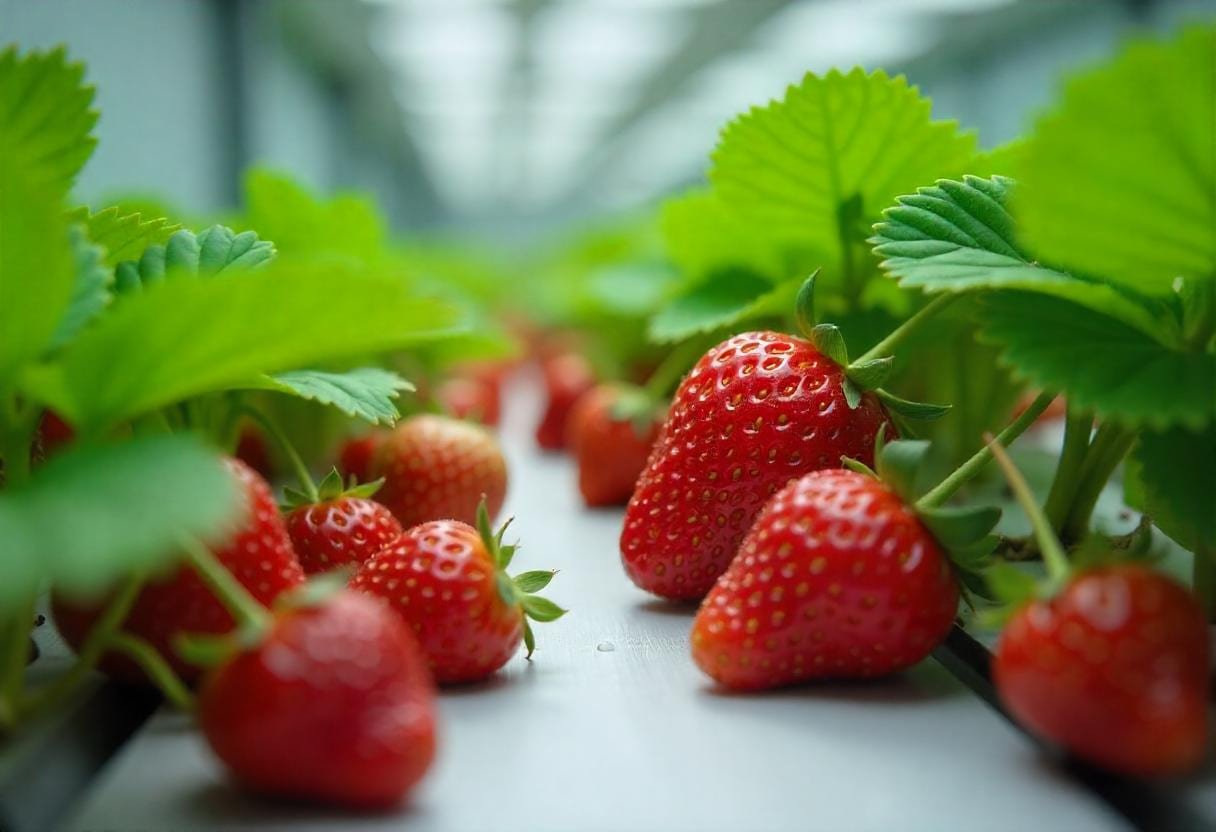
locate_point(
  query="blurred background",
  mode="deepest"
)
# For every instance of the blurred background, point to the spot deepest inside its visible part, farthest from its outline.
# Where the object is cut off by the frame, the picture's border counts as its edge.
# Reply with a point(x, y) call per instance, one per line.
point(510, 118)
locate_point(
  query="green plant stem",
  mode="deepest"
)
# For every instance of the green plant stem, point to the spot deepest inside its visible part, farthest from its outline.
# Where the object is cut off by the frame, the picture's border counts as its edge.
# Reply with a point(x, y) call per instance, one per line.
point(307, 485)
point(887, 345)
point(18, 425)
point(946, 489)
point(155, 667)
point(1204, 580)
point(249, 614)
point(1049, 545)
point(1111, 443)
point(16, 647)
point(1078, 426)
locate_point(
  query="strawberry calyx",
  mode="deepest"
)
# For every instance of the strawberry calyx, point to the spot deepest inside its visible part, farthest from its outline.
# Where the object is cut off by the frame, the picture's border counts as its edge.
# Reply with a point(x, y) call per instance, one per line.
point(521, 589)
point(636, 406)
point(330, 488)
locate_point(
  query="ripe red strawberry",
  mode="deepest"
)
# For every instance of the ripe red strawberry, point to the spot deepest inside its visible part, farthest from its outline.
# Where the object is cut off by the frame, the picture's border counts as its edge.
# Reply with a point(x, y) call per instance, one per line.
point(470, 398)
point(1114, 668)
point(755, 412)
point(356, 457)
point(567, 376)
point(252, 450)
point(335, 705)
point(438, 468)
point(612, 430)
point(448, 581)
point(340, 526)
point(838, 578)
point(258, 553)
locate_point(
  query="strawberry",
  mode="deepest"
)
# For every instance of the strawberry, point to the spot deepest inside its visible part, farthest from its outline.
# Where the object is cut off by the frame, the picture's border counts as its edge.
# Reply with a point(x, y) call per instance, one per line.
point(755, 412)
point(258, 553)
point(1114, 668)
point(333, 705)
point(251, 449)
point(470, 398)
point(438, 468)
point(612, 430)
point(338, 526)
point(567, 376)
point(838, 578)
point(448, 581)
point(356, 457)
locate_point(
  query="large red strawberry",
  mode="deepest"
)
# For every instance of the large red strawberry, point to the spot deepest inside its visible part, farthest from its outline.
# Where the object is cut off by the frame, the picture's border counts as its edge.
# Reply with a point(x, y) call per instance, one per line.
point(612, 430)
point(838, 578)
point(448, 581)
point(334, 705)
point(439, 468)
point(1114, 668)
point(337, 526)
point(567, 376)
point(258, 553)
point(755, 412)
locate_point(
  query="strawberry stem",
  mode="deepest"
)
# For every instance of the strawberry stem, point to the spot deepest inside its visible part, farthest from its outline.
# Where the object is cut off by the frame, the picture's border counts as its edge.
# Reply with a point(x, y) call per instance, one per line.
point(16, 639)
point(230, 592)
point(946, 489)
point(1078, 426)
point(1111, 444)
point(1049, 545)
point(155, 667)
point(901, 333)
point(307, 485)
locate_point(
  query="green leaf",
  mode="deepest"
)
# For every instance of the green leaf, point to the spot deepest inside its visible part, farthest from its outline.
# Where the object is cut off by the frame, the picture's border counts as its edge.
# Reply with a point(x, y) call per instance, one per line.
point(789, 167)
point(92, 289)
point(1004, 160)
point(124, 236)
point(1118, 180)
point(1177, 484)
point(45, 119)
point(541, 609)
point(301, 224)
point(959, 237)
point(1009, 583)
point(724, 299)
point(535, 581)
point(96, 513)
point(210, 252)
point(1101, 363)
point(191, 335)
point(366, 393)
point(703, 236)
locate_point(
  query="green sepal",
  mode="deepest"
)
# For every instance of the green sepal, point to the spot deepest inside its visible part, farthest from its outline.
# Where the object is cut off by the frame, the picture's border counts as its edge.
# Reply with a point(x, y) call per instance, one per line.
point(534, 581)
point(804, 305)
point(205, 650)
point(897, 464)
point(857, 467)
point(920, 411)
point(872, 374)
point(961, 527)
point(637, 407)
point(330, 488)
point(852, 394)
point(541, 609)
point(316, 590)
point(506, 588)
point(529, 639)
point(1009, 584)
point(829, 341)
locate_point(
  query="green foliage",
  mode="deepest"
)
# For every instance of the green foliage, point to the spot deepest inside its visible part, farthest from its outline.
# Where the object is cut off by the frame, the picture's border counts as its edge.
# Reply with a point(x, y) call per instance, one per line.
point(189, 335)
point(92, 287)
point(1119, 179)
point(366, 393)
point(218, 249)
point(96, 513)
point(724, 298)
point(303, 225)
point(1176, 486)
point(123, 236)
point(702, 235)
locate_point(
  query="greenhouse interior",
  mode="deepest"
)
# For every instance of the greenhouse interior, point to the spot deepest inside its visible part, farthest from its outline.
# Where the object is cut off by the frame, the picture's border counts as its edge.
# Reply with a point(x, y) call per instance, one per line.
point(597, 415)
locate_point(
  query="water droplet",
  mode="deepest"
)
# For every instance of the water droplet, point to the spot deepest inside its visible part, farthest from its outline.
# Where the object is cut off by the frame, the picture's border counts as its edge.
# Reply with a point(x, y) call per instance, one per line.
point(605, 647)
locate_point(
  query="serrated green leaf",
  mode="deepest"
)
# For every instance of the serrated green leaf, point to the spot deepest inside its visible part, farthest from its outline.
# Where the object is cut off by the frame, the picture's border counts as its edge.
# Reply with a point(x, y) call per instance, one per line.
point(959, 236)
point(898, 464)
point(137, 359)
point(1004, 160)
point(366, 393)
point(1101, 363)
point(92, 287)
point(302, 224)
point(1010, 584)
point(124, 236)
point(213, 251)
point(702, 236)
point(962, 526)
point(1118, 179)
point(1176, 482)
point(541, 609)
point(93, 514)
point(789, 167)
point(534, 581)
point(45, 119)
point(725, 298)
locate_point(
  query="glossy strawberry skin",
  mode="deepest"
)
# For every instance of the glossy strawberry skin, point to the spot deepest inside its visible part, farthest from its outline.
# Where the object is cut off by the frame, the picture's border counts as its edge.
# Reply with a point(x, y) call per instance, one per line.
point(610, 452)
point(356, 457)
point(1114, 668)
point(567, 377)
point(755, 412)
point(259, 555)
point(436, 468)
point(336, 706)
point(837, 579)
point(470, 398)
point(339, 532)
point(440, 578)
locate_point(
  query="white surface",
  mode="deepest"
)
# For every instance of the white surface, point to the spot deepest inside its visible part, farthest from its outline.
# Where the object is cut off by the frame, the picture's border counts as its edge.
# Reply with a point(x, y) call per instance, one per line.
point(635, 738)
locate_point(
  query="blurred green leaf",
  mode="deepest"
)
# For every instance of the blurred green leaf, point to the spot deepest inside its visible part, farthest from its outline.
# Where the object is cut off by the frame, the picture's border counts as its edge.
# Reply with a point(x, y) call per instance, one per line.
point(123, 236)
point(1175, 484)
point(703, 235)
point(366, 393)
point(301, 224)
point(213, 251)
point(92, 287)
point(723, 299)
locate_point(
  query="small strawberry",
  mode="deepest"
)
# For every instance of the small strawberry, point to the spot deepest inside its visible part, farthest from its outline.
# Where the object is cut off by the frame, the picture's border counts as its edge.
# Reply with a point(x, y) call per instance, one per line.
point(567, 376)
point(467, 397)
point(332, 704)
point(258, 553)
point(439, 468)
point(335, 526)
point(252, 450)
point(1110, 662)
point(838, 578)
point(756, 411)
point(612, 430)
point(356, 457)
point(448, 581)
